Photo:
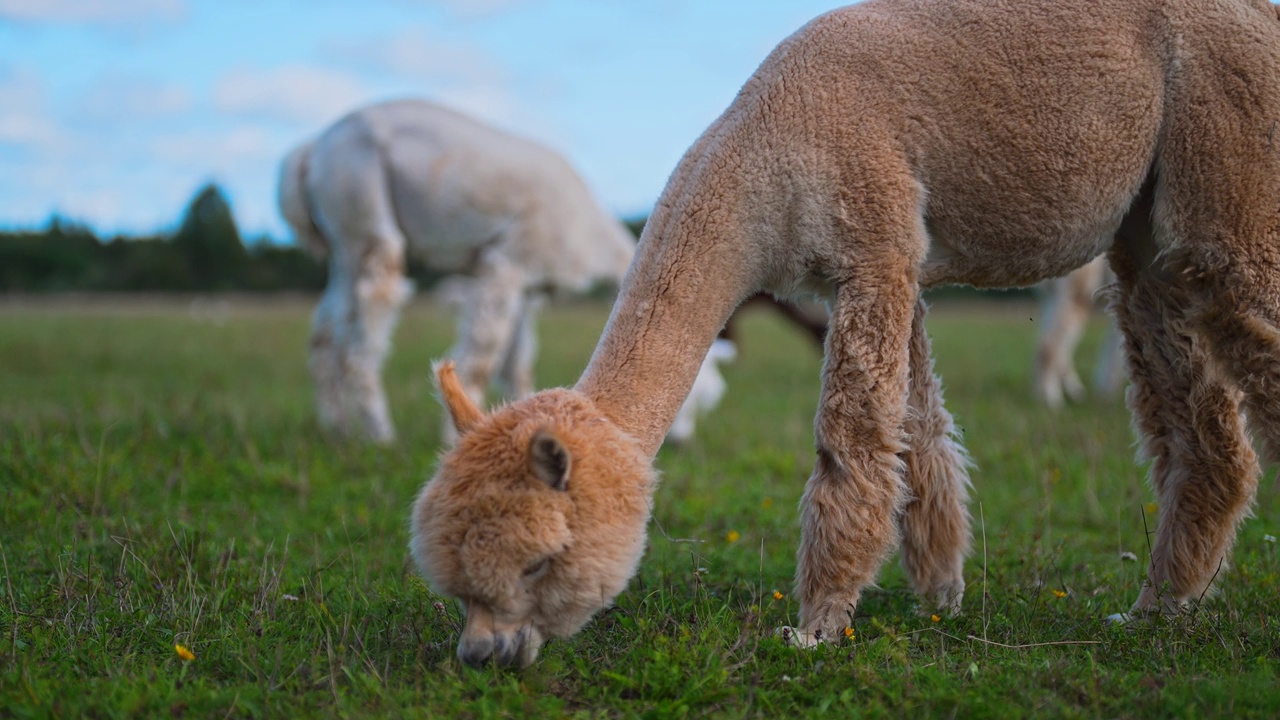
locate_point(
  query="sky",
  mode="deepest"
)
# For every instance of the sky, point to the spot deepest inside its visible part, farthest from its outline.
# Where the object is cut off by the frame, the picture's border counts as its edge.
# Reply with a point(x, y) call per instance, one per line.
point(115, 112)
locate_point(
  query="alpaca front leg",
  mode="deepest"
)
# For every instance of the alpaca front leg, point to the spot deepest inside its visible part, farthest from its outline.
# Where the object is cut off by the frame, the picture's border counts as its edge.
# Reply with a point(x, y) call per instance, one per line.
point(855, 493)
point(935, 521)
point(487, 329)
point(516, 378)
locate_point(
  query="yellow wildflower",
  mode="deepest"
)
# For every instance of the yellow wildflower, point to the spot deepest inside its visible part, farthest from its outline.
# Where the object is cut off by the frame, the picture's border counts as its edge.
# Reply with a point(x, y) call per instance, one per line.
point(935, 618)
point(732, 536)
point(1060, 593)
point(777, 595)
point(184, 652)
point(766, 503)
point(1151, 508)
point(848, 632)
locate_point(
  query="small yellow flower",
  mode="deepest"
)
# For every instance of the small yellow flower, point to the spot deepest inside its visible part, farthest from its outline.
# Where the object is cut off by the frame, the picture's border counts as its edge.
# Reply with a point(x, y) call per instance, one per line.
point(848, 632)
point(1060, 593)
point(777, 595)
point(766, 503)
point(1151, 508)
point(935, 618)
point(184, 652)
point(732, 536)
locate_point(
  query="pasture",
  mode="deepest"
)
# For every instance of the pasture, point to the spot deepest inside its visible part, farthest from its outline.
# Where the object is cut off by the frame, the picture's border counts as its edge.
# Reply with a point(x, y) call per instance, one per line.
point(163, 483)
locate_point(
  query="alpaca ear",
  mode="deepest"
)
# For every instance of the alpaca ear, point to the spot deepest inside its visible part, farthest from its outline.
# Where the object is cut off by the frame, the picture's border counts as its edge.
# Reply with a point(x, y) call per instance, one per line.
point(549, 460)
point(464, 412)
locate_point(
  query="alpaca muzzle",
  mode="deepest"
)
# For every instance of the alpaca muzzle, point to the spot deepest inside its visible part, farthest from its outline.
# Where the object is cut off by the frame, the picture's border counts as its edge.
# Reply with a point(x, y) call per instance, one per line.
point(517, 648)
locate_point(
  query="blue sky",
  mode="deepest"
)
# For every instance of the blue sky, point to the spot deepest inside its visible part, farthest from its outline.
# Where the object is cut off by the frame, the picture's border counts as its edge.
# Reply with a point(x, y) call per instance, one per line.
point(114, 112)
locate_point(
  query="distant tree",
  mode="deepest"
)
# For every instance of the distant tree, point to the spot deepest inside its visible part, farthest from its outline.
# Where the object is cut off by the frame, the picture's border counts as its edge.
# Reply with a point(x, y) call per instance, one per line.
point(210, 241)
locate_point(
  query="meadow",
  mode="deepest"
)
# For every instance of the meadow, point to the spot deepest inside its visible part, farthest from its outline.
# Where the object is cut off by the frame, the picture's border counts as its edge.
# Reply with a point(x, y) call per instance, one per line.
point(163, 483)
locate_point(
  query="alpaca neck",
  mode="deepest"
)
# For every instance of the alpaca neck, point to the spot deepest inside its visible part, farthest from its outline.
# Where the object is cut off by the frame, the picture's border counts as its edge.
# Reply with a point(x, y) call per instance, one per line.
point(689, 273)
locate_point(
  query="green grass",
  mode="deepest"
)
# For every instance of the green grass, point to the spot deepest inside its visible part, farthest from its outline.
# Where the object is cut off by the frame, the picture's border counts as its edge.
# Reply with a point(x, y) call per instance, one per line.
point(162, 482)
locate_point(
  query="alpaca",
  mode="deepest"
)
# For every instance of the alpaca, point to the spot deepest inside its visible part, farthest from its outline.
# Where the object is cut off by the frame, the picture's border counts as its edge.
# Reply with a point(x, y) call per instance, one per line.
point(1068, 304)
point(885, 148)
point(411, 176)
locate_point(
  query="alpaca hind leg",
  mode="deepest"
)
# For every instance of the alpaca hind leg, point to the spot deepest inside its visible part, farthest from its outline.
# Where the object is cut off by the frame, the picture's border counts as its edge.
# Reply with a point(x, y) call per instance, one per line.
point(1203, 470)
point(325, 360)
point(935, 520)
point(379, 291)
point(856, 490)
point(1067, 311)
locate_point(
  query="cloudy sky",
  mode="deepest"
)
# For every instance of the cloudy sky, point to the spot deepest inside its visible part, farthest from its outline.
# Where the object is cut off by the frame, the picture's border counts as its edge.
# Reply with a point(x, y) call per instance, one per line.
point(114, 112)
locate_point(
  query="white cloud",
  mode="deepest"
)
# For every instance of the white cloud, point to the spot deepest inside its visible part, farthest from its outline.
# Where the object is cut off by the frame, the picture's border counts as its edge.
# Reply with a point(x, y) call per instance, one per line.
point(25, 120)
point(297, 93)
point(91, 11)
point(478, 8)
point(217, 150)
point(130, 100)
point(416, 54)
point(469, 9)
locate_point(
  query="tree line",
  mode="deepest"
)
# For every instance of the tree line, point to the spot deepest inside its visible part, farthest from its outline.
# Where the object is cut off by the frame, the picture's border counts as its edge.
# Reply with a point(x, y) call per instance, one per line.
point(205, 254)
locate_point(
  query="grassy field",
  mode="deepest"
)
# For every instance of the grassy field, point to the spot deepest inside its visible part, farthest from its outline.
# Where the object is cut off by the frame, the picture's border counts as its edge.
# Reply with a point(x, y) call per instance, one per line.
point(162, 483)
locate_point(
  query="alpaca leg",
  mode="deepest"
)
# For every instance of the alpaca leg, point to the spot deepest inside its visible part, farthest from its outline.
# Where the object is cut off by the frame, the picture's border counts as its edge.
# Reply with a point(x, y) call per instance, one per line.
point(487, 328)
point(1109, 374)
point(516, 378)
point(325, 359)
point(1067, 311)
point(379, 291)
point(1203, 469)
point(856, 491)
point(935, 521)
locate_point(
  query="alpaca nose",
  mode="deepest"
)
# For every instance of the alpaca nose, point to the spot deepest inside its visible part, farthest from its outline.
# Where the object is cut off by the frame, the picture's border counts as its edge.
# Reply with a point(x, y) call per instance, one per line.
point(498, 649)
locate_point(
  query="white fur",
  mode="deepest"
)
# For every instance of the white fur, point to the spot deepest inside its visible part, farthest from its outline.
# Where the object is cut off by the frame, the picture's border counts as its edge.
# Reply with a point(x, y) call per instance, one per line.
point(413, 177)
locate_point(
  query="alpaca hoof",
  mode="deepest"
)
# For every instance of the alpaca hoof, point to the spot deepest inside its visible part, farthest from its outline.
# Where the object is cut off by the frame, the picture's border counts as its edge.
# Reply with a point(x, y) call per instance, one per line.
point(795, 637)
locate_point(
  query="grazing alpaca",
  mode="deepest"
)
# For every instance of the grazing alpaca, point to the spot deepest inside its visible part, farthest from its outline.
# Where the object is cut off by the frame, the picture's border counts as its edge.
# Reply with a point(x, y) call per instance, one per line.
point(410, 176)
point(888, 147)
point(1067, 308)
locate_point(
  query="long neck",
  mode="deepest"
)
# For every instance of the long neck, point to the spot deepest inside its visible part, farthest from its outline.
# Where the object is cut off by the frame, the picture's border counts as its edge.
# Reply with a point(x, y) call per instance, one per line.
point(692, 268)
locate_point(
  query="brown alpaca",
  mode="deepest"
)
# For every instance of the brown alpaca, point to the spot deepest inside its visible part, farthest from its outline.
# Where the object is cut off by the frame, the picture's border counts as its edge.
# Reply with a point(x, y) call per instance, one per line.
point(888, 147)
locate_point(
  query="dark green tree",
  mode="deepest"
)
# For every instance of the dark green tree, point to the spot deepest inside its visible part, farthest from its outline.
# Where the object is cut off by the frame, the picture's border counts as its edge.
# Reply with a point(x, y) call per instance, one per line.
point(210, 241)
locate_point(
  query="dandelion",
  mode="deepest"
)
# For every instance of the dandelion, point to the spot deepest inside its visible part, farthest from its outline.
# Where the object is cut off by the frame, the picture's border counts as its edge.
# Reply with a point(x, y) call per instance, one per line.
point(1151, 508)
point(935, 618)
point(1059, 593)
point(184, 652)
point(732, 536)
point(848, 632)
point(777, 595)
point(766, 503)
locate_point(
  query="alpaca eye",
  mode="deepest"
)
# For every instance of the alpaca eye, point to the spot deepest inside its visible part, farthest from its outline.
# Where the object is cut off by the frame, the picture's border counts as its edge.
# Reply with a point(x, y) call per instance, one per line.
point(537, 570)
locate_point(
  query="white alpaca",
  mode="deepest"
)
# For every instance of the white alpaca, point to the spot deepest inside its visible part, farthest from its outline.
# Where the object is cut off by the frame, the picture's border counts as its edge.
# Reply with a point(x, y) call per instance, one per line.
point(411, 176)
point(708, 388)
point(1068, 304)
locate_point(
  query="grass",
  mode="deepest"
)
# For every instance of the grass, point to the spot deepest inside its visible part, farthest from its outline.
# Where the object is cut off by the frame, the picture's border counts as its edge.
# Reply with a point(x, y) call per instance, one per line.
point(162, 483)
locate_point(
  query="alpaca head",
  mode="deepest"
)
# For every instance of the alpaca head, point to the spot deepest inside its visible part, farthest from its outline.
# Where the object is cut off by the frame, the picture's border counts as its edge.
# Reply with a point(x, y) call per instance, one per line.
point(534, 520)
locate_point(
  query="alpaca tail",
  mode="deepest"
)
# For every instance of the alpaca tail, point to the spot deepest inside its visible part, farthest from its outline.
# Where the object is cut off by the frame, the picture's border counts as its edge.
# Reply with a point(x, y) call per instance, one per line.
point(294, 201)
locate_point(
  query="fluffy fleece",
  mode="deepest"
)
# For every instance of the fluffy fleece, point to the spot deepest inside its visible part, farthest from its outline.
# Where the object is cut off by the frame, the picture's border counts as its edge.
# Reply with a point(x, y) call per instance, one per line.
point(896, 145)
point(535, 519)
point(413, 177)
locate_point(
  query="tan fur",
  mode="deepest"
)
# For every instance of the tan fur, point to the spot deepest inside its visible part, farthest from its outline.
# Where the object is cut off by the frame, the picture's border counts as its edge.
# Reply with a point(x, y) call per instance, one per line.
point(490, 515)
point(896, 145)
